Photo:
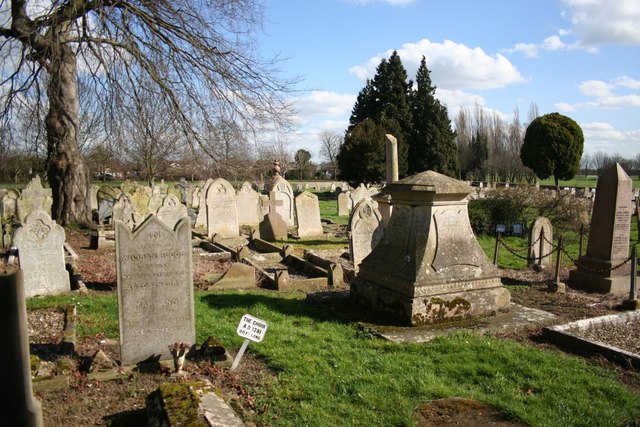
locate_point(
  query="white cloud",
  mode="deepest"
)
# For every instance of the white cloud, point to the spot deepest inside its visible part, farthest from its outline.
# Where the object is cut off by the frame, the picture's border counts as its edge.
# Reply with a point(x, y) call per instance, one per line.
point(598, 22)
point(605, 95)
point(551, 43)
point(324, 104)
point(601, 136)
point(453, 65)
point(595, 88)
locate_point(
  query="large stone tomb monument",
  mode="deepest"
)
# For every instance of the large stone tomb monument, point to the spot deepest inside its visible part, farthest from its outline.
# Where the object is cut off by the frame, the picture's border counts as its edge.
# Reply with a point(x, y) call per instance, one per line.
point(40, 243)
point(429, 266)
point(608, 246)
point(155, 288)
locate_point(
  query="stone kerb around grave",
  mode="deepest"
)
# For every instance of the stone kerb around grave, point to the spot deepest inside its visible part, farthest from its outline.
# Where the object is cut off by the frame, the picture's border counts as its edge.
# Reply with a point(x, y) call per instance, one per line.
point(40, 243)
point(155, 289)
point(429, 267)
point(222, 210)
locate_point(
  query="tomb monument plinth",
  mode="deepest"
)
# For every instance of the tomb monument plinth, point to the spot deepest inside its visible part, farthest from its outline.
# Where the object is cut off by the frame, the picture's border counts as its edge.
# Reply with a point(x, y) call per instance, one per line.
point(429, 267)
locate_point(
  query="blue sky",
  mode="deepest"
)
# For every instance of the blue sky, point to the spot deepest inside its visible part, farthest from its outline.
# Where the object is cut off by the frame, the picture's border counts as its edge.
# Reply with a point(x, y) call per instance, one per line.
point(577, 57)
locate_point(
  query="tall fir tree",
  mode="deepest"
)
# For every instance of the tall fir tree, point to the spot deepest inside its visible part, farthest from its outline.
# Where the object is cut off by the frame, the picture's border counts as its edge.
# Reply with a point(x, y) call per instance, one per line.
point(385, 101)
point(432, 143)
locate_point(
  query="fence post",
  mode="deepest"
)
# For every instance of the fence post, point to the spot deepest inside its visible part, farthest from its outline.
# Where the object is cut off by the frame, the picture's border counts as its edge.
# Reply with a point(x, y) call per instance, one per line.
point(633, 289)
point(558, 286)
point(541, 247)
point(581, 240)
point(496, 250)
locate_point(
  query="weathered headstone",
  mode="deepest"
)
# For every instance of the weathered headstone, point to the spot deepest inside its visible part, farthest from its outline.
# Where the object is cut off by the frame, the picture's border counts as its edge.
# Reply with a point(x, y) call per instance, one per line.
point(222, 210)
point(160, 188)
point(41, 252)
point(272, 227)
point(365, 230)
point(124, 210)
point(308, 215)
point(155, 201)
point(601, 269)
point(540, 243)
point(10, 203)
point(155, 289)
point(33, 197)
point(429, 267)
point(140, 197)
point(248, 202)
point(93, 197)
point(343, 204)
point(358, 194)
point(201, 220)
point(282, 191)
point(171, 211)
point(18, 407)
point(127, 186)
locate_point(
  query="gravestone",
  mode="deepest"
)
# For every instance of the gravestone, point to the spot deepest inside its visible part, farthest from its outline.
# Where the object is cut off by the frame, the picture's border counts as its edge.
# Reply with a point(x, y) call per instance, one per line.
point(124, 210)
point(429, 267)
point(272, 227)
point(171, 211)
point(365, 231)
point(18, 407)
point(201, 220)
point(155, 289)
point(358, 194)
point(127, 186)
point(195, 198)
point(248, 202)
point(308, 215)
point(540, 243)
point(222, 210)
point(283, 192)
point(40, 248)
point(140, 197)
point(155, 201)
point(343, 204)
point(106, 196)
point(10, 204)
point(160, 188)
point(184, 190)
point(600, 269)
point(33, 197)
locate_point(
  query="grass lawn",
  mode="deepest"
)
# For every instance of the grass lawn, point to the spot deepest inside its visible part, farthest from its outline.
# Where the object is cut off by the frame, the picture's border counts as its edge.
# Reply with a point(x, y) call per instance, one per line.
point(330, 372)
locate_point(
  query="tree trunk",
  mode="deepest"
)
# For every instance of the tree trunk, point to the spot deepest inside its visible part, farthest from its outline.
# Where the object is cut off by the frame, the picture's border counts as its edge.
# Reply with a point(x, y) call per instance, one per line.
point(67, 172)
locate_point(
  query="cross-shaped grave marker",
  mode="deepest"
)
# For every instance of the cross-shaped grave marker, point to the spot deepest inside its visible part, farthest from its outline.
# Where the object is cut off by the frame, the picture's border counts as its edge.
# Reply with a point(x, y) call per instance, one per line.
point(272, 203)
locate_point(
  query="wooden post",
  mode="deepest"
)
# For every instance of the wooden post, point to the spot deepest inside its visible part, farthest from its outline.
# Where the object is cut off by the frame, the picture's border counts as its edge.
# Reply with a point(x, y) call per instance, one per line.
point(581, 240)
point(558, 286)
point(496, 250)
point(541, 247)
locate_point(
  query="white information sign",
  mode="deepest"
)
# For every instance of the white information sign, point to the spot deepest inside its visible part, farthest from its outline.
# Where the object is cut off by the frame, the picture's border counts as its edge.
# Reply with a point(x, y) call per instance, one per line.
point(252, 328)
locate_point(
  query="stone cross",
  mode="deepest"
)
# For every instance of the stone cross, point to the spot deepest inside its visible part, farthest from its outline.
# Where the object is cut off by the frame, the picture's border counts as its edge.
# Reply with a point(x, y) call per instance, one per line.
point(272, 203)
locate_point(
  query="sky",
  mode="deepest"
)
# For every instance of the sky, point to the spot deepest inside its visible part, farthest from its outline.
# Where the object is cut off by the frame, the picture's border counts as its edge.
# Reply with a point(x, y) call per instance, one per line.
point(580, 58)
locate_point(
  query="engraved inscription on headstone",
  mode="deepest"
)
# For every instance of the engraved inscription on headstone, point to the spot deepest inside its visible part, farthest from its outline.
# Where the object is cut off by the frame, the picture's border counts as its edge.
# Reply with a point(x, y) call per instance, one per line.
point(155, 288)
point(40, 246)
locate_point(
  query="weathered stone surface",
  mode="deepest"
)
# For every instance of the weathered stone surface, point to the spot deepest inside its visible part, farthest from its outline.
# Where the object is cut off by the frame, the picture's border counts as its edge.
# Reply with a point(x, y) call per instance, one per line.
point(272, 227)
point(201, 220)
point(155, 202)
point(222, 211)
point(93, 197)
point(365, 230)
point(155, 289)
point(40, 246)
point(282, 192)
point(140, 197)
point(18, 407)
point(343, 204)
point(33, 197)
point(358, 194)
point(238, 276)
point(248, 202)
point(125, 211)
point(540, 242)
point(429, 267)
point(308, 215)
point(10, 203)
point(608, 245)
point(171, 211)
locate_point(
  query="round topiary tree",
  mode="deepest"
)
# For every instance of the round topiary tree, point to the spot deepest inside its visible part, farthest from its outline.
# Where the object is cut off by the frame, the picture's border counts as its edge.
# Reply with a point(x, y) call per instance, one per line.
point(553, 145)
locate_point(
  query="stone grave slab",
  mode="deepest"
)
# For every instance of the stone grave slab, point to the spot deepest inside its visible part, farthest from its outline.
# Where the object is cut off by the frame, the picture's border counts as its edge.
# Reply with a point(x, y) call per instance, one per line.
point(308, 215)
point(222, 210)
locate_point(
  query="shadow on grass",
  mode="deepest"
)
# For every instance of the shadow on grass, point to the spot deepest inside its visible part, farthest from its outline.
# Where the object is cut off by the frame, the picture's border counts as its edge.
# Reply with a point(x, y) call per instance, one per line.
point(132, 418)
point(324, 306)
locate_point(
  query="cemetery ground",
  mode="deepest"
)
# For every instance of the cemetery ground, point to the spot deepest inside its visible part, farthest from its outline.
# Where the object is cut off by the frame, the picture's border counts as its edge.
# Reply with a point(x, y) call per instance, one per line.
point(320, 364)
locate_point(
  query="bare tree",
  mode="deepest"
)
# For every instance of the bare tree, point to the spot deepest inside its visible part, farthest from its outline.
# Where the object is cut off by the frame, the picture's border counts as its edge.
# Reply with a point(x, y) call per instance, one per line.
point(330, 147)
point(201, 55)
